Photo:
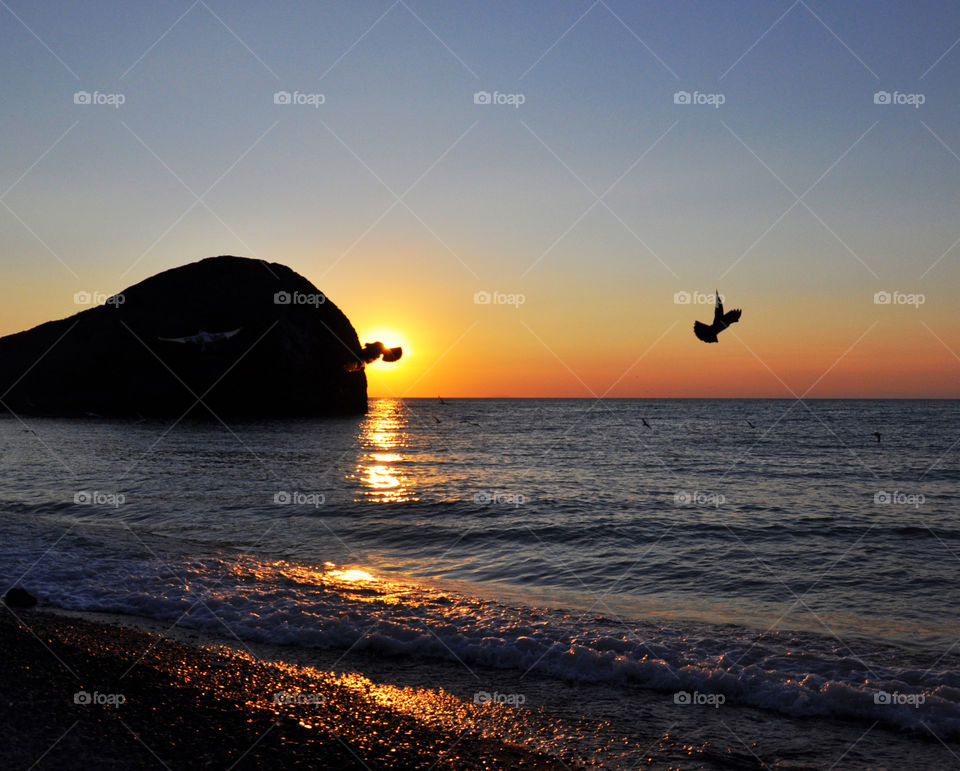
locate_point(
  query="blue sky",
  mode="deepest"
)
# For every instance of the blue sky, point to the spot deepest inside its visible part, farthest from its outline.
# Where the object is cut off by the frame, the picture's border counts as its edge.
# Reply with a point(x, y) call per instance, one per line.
point(501, 197)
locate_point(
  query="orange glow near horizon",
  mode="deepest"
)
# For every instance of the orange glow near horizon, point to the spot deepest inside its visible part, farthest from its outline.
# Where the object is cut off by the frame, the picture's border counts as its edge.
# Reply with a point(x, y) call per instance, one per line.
point(856, 353)
point(573, 341)
point(845, 357)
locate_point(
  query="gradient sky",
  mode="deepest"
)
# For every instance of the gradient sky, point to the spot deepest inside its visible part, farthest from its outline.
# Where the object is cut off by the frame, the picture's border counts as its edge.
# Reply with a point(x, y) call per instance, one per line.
point(598, 199)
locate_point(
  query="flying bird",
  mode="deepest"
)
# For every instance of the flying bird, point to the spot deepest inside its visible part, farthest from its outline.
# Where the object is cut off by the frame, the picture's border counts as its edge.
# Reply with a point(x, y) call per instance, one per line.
point(370, 353)
point(750, 424)
point(373, 351)
point(877, 434)
point(708, 333)
point(645, 422)
point(203, 339)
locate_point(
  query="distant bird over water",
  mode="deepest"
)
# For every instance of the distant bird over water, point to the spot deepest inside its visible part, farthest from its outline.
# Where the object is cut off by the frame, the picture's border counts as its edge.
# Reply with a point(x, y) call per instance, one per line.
point(877, 434)
point(645, 422)
point(708, 333)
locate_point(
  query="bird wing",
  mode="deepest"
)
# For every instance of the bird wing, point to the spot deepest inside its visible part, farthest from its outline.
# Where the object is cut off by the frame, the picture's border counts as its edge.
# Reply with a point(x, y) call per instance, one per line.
point(718, 308)
point(731, 318)
point(191, 339)
point(392, 354)
point(231, 333)
point(705, 332)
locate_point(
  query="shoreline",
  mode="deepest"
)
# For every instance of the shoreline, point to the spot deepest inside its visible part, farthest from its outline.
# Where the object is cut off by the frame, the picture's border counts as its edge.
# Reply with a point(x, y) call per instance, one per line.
point(125, 698)
point(166, 696)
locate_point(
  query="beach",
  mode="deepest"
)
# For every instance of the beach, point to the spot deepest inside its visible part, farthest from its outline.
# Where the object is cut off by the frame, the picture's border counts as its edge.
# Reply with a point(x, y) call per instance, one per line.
point(119, 698)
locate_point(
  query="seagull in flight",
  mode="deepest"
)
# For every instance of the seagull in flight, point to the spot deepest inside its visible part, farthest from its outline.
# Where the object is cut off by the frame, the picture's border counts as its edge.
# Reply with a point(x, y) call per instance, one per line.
point(202, 338)
point(721, 320)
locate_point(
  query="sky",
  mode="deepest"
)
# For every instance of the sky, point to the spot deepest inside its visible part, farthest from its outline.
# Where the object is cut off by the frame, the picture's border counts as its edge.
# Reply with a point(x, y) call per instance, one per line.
point(534, 199)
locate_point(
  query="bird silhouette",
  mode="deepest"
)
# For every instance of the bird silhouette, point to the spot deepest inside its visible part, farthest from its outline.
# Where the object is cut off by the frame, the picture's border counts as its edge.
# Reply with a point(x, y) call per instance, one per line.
point(202, 338)
point(708, 333)
point(645, 422)
point(877, 434)
point(750, 424)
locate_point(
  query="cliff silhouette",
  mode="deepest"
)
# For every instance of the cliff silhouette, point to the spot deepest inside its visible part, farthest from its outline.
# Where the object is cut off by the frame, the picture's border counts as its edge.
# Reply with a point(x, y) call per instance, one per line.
point(247, 337)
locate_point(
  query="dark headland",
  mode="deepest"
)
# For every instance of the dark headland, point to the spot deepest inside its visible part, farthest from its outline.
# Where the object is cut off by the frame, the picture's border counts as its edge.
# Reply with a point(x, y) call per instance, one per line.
point(226, 336)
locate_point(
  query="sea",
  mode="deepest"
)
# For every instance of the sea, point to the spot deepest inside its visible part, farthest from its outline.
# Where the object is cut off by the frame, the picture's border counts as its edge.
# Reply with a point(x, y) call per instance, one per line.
point(624, 582)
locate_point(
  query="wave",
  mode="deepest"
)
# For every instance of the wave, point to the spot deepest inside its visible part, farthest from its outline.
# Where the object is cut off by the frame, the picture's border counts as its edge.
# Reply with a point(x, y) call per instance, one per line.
point(329, 606)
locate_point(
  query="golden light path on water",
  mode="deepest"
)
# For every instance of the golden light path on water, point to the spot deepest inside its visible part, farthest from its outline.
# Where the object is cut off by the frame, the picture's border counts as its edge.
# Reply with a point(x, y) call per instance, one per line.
point(383, 438)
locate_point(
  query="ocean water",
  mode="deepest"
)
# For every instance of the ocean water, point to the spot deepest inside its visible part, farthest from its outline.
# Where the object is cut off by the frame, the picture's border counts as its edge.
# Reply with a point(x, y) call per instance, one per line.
point(762, 564)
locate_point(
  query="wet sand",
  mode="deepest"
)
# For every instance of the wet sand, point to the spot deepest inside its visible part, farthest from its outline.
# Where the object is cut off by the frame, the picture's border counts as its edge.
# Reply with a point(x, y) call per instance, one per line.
point(80, 692)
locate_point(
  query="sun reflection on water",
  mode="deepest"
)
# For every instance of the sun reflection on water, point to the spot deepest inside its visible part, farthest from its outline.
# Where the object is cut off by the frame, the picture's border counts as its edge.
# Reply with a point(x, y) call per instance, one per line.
point(383, 437)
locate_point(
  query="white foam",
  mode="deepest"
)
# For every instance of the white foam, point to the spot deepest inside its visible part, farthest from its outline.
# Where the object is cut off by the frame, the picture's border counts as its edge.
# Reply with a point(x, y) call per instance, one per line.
point(295, 604)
